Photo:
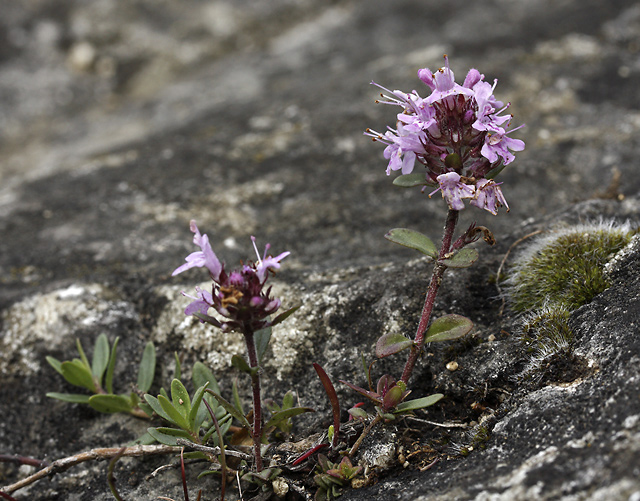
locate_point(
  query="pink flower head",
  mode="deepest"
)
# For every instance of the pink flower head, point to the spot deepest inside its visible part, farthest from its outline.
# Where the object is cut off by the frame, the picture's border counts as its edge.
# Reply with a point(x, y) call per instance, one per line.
point(240, 296)
point(489, 196)
point(457, 129)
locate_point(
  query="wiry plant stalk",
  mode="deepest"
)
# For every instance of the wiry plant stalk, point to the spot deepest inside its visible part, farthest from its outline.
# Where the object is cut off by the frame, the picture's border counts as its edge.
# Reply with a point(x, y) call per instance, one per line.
point(432, 292)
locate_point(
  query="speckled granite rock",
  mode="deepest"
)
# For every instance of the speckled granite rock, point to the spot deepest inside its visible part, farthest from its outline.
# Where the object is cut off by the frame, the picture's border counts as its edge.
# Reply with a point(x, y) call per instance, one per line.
point(122, 120)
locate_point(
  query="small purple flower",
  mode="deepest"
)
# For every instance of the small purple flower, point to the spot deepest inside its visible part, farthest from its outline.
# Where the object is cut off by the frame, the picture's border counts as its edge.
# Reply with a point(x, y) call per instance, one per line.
point(498, 145)
point(489, 196)
point(240, 296)
point(206, 257)
point(453, 190)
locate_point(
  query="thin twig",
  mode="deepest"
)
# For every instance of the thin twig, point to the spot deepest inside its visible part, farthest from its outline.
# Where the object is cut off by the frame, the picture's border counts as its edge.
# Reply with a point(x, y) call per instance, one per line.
point(441, 425)
point(364, 433)
point(38, 463)
point(504, 260)
point(212, 450)
point(63, 464)
point(239, 486)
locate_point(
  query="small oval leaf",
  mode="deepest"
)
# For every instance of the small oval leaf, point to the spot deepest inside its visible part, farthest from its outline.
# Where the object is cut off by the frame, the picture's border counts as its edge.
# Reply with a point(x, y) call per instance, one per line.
point(195, 407)
point(390, 344)
point(175, 415)
point(447, 328)
point(108, 382)
point(201, 374)
point(110, 403)
point(147, 367)
point(419, 403)
point(261, 339)
point(100, 357)
point(180, 398)
point(70, 397)
point(286, 414)
point(157, 408)
point(240, 363)
point(462, 259)
point(413, 240)
point(78, 374)
point(161, 437)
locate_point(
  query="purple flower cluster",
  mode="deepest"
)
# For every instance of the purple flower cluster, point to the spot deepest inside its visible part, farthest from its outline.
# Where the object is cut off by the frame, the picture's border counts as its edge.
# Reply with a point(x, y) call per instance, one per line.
point(239, 296)
point(458, 133)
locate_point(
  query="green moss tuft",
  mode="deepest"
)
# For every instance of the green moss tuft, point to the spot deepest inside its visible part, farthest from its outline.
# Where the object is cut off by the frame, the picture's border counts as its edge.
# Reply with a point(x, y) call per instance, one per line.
point(566, 267)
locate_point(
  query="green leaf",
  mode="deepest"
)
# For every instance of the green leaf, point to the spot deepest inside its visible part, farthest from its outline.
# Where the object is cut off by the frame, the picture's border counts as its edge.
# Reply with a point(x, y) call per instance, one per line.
point(285, 314)
point(157, 408)
point(145, 439)
point(147, 367)
point(176, 374)
point(236, 397)
point(411, 180)
point(112, 365)
point(419, 403)
point(175, 415)
point(100, 357)
point(175, 432)
point(202, 375)
point(70, 397)
point(55, 363)
point(146, 408)
point(413, 240)
point(447, 328)
point(180, 398)
point(231, 410)
point(83, 357)
point(494, 172)
point(286, 414)
point(390, 344)
point(358, 413)
point(162, 437)
point(462, 259)
point(78, 374)
point(261, 340)
point(195, 406)
point(110, 403)
point(288, 400)
point(241, 364)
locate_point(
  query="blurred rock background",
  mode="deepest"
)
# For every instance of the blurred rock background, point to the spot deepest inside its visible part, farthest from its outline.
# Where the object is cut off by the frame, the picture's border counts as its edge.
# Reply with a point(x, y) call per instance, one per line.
point(122, 120)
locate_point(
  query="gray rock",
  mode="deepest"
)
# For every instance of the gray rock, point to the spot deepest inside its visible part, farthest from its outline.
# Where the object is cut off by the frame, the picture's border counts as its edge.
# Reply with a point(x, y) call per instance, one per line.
point(121, 121)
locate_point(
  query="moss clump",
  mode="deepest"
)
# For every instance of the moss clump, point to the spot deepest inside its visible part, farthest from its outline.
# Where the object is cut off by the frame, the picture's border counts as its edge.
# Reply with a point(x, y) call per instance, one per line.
point(555, 275)
point(566, 267)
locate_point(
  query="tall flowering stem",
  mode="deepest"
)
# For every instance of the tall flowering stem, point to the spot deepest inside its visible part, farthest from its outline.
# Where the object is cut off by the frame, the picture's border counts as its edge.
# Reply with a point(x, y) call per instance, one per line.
point(460, 135)
point(257, 402)
point(432, 292)
point(242, 304)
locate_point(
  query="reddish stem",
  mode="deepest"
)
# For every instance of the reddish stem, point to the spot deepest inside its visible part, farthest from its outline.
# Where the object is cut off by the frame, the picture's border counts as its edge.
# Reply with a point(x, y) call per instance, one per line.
point(257, 403)
point(432, 292)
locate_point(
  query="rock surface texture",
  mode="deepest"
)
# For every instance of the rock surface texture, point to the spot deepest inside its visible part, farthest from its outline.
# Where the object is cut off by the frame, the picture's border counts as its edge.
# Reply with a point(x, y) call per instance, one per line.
point(121, 120)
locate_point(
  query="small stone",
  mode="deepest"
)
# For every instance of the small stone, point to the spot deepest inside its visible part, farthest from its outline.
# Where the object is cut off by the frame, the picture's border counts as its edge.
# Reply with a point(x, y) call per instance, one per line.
point(82, 56)
point(280, 487)
point(491, 338)
point(452, 366)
